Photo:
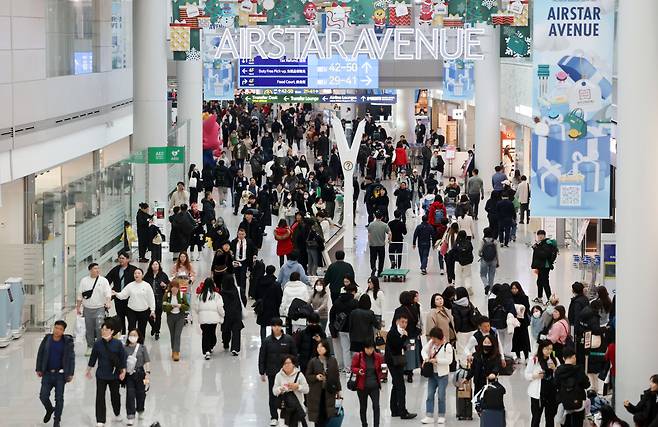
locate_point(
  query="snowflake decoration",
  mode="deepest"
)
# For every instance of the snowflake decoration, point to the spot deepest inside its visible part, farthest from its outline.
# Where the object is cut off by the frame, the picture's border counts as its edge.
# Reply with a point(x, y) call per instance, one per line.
point(514, 54)
point(489, 4)
point(193, 55)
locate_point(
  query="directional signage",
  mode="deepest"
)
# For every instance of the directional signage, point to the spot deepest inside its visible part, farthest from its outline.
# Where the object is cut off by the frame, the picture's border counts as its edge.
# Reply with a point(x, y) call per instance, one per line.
point(312, 73)
point(318, 99)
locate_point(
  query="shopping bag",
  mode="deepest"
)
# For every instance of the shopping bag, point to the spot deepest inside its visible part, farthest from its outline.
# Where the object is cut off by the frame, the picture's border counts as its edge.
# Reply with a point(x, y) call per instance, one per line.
point(576, 121)
point(80, 329)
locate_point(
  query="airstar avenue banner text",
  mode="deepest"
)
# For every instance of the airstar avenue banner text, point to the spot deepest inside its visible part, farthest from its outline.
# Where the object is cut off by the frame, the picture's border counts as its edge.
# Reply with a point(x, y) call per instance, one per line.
point(573, 58)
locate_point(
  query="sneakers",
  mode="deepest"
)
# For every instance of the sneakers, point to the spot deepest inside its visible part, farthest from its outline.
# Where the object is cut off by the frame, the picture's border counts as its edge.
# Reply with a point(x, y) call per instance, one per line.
point(207, 355)
point(423, 272)
point(130, 421)
point(538, 300)
point(274, 422)
point(441, 420)
point(118, 418)
point(235, 353)
point(157, 336)
point(100, 424)
point(442, 272)
point(427, 420)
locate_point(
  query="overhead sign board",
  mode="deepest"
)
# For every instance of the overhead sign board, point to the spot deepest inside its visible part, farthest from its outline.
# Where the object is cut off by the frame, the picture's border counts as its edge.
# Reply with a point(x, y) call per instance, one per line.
point(166, 155)
point(318, 99)
point(310, 73)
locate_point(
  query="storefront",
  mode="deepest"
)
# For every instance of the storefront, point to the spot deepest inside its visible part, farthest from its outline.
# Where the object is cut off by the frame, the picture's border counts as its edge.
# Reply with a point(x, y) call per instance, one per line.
point(515, 144)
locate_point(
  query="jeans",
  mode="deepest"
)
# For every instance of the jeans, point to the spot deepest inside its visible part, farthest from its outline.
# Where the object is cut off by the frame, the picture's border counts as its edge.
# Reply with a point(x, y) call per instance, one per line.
point(313, 261)
point(373, 394)
point(474, 200)
point(488, 272)
point(135, 393)
point(344, 338)
point(175, 322)
point(543, 283)
point(93, 319)
point(538, 406)
point(436, 383)
point(208, 337)
point(115, 397)
point(512, 234)
point(442, 261)
point(395, 254)
point(377, 254)
point(138, 320)
point(504, 232)
point(424, 253)
point(273, 400)
point(398, 391)
point(231, 334)
point(463, 275)
point(49, 381)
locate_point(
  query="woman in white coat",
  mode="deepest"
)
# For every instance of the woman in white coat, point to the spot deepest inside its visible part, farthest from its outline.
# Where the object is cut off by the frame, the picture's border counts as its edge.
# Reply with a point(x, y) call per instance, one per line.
point(291, 380)
point(210, 313)
point(542, 391)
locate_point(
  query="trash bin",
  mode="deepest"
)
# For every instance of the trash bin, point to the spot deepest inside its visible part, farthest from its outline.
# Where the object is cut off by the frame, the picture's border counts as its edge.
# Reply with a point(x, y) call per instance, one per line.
point(17, 294)
point(5, 333)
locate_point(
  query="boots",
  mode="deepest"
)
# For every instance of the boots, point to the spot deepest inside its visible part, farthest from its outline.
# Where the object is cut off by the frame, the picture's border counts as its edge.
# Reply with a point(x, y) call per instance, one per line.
point(175, 356)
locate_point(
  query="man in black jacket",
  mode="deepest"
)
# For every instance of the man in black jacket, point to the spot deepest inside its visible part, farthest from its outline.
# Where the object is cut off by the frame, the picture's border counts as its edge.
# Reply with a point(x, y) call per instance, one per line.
point(253, 228)
point(646, 410)
point(578, 302)
point(398, 231)
point(506, 215)
point(240, 183)
point(336, 272)
point(244, 251)
point(571, 383)
point(270, 294)
point(396, 342)
point(270, 359)
point(118, 278)
point(55, 366)
point(423, 236)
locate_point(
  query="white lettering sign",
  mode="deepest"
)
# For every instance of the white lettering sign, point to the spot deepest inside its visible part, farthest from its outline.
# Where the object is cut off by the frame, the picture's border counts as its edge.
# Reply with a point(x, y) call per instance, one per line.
point(408, 44)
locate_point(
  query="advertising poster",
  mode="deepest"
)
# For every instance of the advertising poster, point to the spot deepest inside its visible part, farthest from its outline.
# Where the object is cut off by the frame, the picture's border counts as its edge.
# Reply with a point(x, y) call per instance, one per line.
point(218, 80)
point(572, 82)
point(458, 80)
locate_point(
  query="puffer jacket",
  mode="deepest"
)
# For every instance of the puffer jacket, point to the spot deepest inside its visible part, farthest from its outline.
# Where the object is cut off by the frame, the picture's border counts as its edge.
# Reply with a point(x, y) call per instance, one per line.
point(462, 316)
point(210, 311)
point(294, 289)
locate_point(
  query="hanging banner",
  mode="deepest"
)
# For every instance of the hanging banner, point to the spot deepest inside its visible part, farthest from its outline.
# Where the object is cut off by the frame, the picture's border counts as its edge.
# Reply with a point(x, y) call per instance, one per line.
point(218, 80)
point(458, 80)
point(572, 63)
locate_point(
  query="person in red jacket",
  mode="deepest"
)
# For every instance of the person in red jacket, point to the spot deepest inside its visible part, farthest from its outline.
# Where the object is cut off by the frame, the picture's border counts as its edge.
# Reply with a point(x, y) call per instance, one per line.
point(367, 367)
point(283, 237)
point(401, 160)
point(436, 218)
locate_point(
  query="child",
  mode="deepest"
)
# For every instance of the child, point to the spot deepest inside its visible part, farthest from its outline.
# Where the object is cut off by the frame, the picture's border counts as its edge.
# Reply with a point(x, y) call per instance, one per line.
point(536, 326)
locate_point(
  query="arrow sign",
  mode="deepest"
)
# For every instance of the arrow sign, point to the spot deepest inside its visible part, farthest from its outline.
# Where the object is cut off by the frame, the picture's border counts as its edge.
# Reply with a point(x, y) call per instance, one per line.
point(286, 98)
point(366, 67)
point(367, 81)
point(325, 98)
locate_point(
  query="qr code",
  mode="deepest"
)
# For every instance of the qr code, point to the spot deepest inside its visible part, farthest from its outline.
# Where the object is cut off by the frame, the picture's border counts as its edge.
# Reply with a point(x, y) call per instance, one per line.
point(571, 195)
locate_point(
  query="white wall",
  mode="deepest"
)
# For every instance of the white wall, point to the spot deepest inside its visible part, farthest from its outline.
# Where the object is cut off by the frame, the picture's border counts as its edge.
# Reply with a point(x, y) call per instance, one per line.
point(77, 168)
point(12, 213)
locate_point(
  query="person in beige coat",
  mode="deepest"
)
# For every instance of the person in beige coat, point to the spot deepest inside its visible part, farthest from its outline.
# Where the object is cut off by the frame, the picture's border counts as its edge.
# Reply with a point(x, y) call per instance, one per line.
point(440, 317)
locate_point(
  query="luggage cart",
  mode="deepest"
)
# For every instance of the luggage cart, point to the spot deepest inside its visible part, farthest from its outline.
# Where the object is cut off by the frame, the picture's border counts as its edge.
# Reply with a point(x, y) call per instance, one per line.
point(398, 274)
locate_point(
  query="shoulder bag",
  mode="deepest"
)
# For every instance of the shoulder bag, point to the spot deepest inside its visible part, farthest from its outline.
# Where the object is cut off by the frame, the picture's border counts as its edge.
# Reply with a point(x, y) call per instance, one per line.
point(351, 382)
point(427, 369)
point(131, 361)
point(89, 293)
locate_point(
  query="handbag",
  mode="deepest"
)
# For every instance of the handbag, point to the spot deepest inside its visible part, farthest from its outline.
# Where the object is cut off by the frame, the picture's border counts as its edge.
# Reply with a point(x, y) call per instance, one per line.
point(427, 369)
point(351, 382)
point(157, 240)
point(193, 182)
point(443, 250)
point(399, 361)
point(89, 293)
point(576, 120)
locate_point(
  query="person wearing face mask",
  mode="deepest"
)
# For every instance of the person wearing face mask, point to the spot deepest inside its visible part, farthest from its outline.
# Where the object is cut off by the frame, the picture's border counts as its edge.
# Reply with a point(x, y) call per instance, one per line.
point(137, 376)
point(486, 363)
point(176, 306)
point(111, 357)
point(320, 302)
point(141, 302)
point(540, 371)
point(536, 326)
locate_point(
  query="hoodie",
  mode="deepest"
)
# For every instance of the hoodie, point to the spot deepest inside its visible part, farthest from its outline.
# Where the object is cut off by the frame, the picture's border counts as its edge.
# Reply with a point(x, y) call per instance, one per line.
point(462, 313)
point(293, 289)
point(288, 268)
point(345, 303)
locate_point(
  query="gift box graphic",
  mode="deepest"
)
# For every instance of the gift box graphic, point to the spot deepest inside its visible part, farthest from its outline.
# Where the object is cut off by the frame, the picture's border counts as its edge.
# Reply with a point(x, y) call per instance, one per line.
point(549, 178)
point(579, 68)
point(593, 174)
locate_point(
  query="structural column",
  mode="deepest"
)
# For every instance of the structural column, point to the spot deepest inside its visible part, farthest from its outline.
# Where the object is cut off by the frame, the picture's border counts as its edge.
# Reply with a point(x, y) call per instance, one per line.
point(636, 234)
point(404, 114)
point(190, 106)
point(487, 105)
point(150, 88)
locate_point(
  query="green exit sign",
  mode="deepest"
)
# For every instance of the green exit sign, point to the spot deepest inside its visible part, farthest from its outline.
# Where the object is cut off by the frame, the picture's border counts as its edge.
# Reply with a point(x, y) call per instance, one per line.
point(165, 155)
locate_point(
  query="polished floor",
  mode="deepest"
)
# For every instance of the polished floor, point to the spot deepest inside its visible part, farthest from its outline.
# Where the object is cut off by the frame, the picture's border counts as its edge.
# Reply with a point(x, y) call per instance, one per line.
point(226, 391)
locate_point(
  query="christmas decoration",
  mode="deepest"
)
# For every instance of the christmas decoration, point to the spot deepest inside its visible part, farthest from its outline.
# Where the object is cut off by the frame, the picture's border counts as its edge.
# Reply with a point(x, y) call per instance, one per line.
point(268, 4)
point(426, 12)
point(337, 16)
point(489, 4)
point(179, 38)
point(362, 11)
point(193, 55)
point(379, 18)
point(473, 11)
point(398, 14)
point(453, 21)
point(502, 18)
point(310, 12)
point(226, 17)
point(286, 12)
point(515, 42)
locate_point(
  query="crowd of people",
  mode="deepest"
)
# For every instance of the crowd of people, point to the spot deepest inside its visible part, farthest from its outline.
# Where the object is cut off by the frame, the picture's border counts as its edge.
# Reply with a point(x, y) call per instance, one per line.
point(316, 322)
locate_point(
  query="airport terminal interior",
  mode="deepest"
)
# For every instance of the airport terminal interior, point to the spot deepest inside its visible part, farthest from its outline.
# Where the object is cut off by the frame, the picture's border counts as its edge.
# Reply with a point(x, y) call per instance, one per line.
point(371, 213)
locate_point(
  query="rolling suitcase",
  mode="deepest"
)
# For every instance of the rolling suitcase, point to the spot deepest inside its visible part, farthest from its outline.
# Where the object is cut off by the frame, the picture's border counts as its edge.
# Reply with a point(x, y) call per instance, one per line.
point(464, 405)
point(492, 418)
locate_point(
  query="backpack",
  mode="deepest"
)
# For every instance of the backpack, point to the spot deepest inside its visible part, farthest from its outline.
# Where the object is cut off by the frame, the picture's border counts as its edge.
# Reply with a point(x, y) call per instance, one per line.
point(438, 216)
point(546, 251)
point(340, 321)
point(464, 252)
point(314, 238)
point(498, 317)
point(572, 397)
point(299, 309)
point(489, 251)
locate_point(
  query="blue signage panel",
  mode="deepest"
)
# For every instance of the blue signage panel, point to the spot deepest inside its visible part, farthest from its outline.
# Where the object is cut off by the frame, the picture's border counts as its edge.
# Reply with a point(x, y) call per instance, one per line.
point(312, 73)
point(359, 99)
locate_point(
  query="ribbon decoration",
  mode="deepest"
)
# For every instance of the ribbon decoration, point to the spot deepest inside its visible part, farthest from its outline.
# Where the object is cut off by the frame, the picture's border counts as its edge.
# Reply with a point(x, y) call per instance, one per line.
point(546, 170)
point(592, 157)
